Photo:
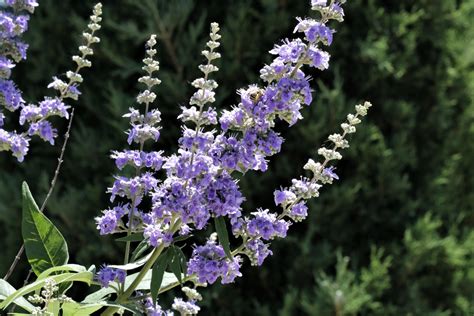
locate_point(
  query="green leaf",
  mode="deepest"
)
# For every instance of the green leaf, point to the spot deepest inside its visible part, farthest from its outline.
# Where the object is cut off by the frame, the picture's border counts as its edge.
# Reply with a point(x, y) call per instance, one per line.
point(158, 272)
point(133, 265)
point(132, 237)
point(181, 238)
point(145, 284)
point(175, 265)
point(79, 309)
point(183, 262)
point(141, 248)
point(221, 230)
point(85, 277)
point(67, 267)
point(53, 307)
point(45, 246)
point(6, 290)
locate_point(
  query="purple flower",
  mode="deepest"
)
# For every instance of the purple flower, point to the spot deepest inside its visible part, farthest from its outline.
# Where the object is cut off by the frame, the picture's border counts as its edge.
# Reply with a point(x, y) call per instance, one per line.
point(209, 262)
point(156, 236)
point(5, 67)
point(16, 143)
point(266, 225)
point(257, 251)
point(107, 274)
point(299, 211)
point(44, 130)
point(329, 172)
point(108, 222)
point(10, 96)
point(283, 197)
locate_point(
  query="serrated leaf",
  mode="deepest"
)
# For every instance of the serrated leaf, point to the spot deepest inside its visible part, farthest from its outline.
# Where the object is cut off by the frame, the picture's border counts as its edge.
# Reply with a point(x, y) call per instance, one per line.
point(157, 274)
point(45, 246)
point(221, 230)
point(6, 290)
point(132, 237)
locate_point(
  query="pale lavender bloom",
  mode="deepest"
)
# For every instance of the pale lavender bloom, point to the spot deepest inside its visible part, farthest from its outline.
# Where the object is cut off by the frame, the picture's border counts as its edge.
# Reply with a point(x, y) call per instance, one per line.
point(329, 172)
point(185, 308)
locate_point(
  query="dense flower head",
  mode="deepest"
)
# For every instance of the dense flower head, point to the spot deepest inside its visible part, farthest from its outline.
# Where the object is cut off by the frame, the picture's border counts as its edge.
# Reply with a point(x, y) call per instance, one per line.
point(19, 5)
point(185, 307)
point(138, 159)
point(108, 222)
point(257, 251)
point(156, 235)
point(209, 262)
point(10, 95)
point(16, 143)
point(107, 274)
point(154, 309)
point(133, 188)
point(266, 225)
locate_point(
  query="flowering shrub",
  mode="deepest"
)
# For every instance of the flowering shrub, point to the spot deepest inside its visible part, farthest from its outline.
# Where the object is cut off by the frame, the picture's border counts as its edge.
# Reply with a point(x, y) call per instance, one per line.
point(156, 215)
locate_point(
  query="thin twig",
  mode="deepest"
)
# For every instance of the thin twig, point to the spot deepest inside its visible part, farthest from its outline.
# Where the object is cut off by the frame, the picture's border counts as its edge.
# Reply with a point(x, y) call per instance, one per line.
point(43, 205)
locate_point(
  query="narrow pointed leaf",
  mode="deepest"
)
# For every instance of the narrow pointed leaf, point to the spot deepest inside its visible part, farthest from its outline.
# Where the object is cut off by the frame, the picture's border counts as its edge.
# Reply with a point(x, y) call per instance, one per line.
point(6, 290)
point(175, 265)
point(221, 230)
point(44, 244)
point(157, 274)
point(141, 248)
point(132, 237)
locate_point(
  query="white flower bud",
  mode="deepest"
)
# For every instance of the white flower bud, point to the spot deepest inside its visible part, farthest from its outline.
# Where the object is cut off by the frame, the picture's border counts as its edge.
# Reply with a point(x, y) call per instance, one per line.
point(329, 154)
point(349, 129)
point(352, 119)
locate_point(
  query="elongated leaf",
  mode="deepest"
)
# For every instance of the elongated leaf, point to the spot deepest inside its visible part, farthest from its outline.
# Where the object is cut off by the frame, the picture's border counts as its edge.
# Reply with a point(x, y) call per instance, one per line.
point(145, 284)
point(6, 290)
point(85, 277)
point(181, 238)
point(158, 272)
point(67, 267)
point(45, 246)
point(133, 265)
point(132, 237)
point(221, 230)
point(141, 248)
point(79, 309)
point(175, 266)
point(182, 260)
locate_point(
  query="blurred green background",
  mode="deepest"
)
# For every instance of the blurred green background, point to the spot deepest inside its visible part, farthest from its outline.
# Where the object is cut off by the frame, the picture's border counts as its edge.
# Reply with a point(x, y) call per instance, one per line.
point(393, 237)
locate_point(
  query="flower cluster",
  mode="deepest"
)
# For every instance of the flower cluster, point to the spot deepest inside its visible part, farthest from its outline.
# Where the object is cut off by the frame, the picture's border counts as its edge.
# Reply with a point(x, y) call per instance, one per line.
point(106, 275)
point(199, 183)
point(13, 22)
point(143, 128)
point(209, 262)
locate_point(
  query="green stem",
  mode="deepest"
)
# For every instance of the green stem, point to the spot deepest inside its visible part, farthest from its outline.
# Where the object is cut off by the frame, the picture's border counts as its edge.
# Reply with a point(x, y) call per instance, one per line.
point(121, 298)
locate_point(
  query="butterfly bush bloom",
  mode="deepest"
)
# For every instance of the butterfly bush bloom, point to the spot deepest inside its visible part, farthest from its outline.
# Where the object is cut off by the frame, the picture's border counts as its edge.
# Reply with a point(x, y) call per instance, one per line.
point(199, 184)
point(13, 22)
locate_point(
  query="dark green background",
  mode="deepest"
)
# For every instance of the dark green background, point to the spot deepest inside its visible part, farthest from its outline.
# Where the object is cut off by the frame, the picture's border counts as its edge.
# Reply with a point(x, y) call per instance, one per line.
point(403, 211)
